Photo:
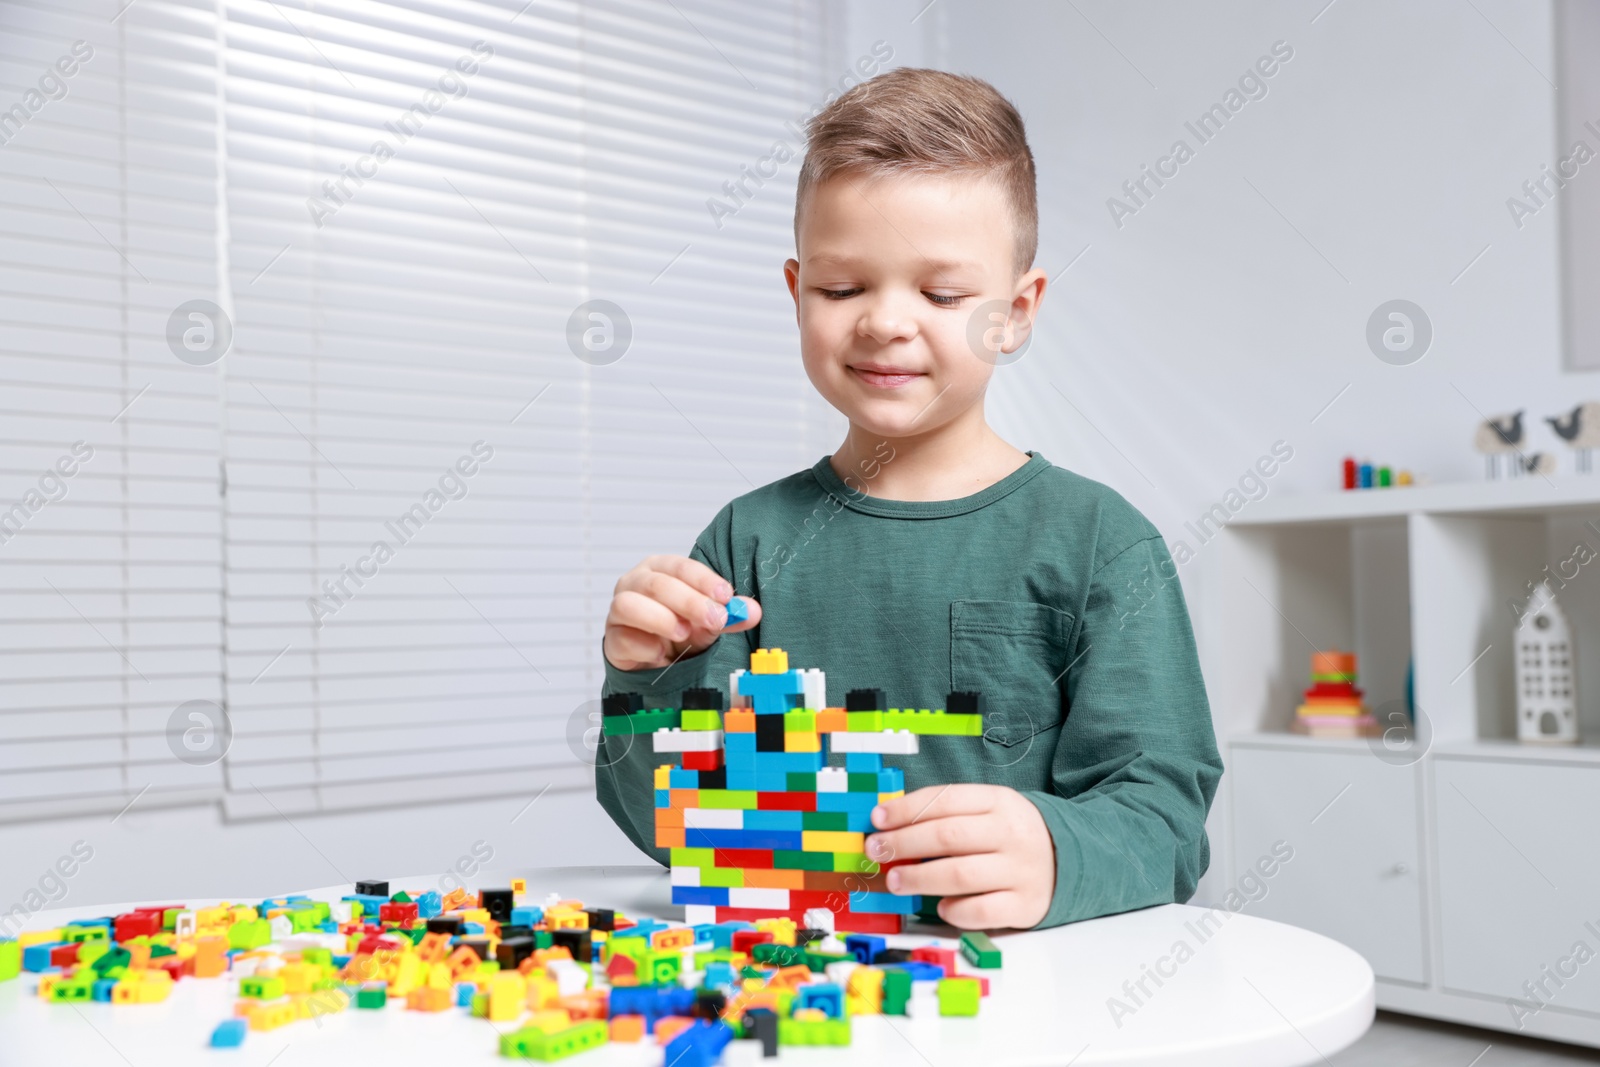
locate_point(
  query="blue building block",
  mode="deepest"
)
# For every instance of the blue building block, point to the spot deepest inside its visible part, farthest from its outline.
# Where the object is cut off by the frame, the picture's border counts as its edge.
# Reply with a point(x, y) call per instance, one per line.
point(698, 894)
point(678, 778)
point(746, 781)
point(774, 820)
point(652, 1002)
point(701, 837)
point(471, 928)
point(719, 975)
point(825, 995)
point(859, 821)
point(36, 958)
point(770, 781)
point(772, 694)
point(230, 1033)
point(738, 743)
point(863, 762)
point(738, 611)
point(720, 934)
point(920, 970)
point(891, 780)
point(847, 801)
point(883, 903)
point(698, 1045)
point(526, 915)
point(663, 799)
point(642, 928)
point(101, 990)
point(864, 947)
point(464, 994)
point(429, 904)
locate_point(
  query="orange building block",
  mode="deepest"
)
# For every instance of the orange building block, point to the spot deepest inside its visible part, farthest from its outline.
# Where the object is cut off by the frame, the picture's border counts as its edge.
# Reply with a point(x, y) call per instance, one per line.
point(832, 720)
point(755, 878)
point(683, 798)
point(628, 1028)
point(739, 721)
point(669, 818)
point(669, 837)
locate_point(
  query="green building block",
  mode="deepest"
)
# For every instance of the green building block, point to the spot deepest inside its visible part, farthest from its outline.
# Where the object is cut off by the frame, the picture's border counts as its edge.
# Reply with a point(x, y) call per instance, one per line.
point(250, 933)
point(694, 857)
point(90, 951)
point(156, 951)
point(10, 959)
point(258, 988)
point(643, 722)
point(864, 722)
point(71, 933)
point(802, 782)
point(933, 723)
point(850, 863)
point(861, 783)
point(543, 939)
point(825, 820)
point(777, 955)
point(372, 996)
point(111, 965)
point(818, 961)
point(785, 860)
point(303, 919)
point(958, 996)
point(532, 1044)
point(321, 956)
point(722, 877)
point(813, 1032)
point(743, 799)
point(78, 988)
point(979, 950)
point(799, 722)
point(896, 991)
point(701, 720)
point(401, 897)
point(664, 967)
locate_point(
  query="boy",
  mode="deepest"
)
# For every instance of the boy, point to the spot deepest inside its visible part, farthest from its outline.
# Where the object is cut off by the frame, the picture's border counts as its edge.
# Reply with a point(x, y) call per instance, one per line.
point(927, 555)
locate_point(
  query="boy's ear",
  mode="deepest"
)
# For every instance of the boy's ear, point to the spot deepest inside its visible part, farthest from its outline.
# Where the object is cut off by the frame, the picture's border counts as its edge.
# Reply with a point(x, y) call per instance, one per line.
point(791, 275)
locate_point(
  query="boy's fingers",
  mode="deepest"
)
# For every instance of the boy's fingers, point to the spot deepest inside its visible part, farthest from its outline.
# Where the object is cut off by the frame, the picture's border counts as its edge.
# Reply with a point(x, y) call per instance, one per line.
point(983, 911)
point(933, 802)
point(693, 573)
point(641, 611)
point(692, 611)
point(956, 835)
point(953, 876)
point(624, 644)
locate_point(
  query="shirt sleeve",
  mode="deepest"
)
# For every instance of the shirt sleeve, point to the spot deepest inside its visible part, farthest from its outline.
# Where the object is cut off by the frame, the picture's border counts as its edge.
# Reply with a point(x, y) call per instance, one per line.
point(625, 764)
point(1136, 764)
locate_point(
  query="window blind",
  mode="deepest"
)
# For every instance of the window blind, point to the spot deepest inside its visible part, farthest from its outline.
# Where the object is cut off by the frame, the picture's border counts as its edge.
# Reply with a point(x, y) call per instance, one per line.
point(110, 516)
point(419, 199)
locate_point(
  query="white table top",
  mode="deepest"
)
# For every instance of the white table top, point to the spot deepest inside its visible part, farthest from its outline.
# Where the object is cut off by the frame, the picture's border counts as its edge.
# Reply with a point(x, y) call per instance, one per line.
point(1250, 993)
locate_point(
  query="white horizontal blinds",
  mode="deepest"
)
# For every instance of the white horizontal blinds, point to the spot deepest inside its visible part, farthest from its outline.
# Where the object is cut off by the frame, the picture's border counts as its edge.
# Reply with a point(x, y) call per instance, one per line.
point(680, 104)
point(555, 153)
point(109, 574)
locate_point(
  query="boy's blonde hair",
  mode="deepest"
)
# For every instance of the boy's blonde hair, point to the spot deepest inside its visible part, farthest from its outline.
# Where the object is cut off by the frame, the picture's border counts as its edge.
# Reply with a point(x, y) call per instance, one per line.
point(913, 120)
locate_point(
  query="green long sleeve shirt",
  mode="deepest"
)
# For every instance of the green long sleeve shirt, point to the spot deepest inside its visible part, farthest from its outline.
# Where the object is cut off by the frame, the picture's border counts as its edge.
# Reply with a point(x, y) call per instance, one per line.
point(1047, 592)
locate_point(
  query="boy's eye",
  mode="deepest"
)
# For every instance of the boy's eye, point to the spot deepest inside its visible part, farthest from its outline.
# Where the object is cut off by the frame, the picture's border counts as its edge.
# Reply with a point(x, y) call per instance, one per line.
point(943, 301)
point(838, 294)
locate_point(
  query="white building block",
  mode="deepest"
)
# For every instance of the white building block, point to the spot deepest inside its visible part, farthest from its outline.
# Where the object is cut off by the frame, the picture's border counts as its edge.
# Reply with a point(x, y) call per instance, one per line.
point(838, 972)
point(774, 899)
point(743, 1053)
point(888, 742)
point(713, 818)
point(686, 876)
point(699, 914)
point(817, 919)
point(832, 945)
point(735, 698)
point(815, 684)
point(571, 979)
point(666, 740)
point(833, 779)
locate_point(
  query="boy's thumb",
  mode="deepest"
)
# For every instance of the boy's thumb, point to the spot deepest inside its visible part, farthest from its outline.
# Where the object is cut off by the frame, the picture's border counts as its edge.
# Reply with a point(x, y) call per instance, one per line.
point(753, 609)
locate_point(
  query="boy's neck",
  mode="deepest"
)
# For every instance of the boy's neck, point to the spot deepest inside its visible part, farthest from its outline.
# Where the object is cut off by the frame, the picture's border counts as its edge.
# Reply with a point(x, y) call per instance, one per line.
point(947, 463)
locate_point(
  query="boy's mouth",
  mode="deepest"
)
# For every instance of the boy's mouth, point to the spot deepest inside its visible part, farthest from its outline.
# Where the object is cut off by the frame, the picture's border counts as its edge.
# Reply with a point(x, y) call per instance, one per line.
point(883, 375)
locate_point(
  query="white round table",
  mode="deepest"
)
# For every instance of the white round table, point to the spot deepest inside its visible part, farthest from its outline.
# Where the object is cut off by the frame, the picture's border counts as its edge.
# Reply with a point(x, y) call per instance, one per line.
point(1171, 985)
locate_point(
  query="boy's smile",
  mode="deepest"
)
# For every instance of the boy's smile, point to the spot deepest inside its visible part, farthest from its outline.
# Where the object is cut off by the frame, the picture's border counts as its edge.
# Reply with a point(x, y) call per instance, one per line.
point(891, 270)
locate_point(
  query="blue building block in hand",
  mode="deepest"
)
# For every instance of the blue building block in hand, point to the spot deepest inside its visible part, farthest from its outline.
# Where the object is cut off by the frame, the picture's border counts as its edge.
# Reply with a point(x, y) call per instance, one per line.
point(738, 611)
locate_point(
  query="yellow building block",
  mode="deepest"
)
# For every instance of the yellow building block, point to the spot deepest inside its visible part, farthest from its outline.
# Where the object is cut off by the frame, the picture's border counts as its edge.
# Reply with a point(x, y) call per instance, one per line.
point(833, 841)
point(38, 937)
point(781, 929)
point(664, 776)
point(795, 741)
point(508, 993)
point(769, 661)
point(542, 992)
point(550, 1020)
point(519, 886)
point(884, 798)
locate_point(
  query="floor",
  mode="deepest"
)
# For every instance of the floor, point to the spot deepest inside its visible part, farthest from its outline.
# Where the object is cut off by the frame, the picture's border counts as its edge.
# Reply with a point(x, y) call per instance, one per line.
point(1406, 1041)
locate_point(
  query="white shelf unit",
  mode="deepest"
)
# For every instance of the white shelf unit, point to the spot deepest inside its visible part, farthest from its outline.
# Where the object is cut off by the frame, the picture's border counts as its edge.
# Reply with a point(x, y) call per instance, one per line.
point(1461, 871)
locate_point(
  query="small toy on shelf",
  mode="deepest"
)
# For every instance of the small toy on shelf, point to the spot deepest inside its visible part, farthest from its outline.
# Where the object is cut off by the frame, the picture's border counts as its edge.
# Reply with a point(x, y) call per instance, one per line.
point(1498, 436)
point(1546, 704)
point(1364, 475)
point(1333, 706)
point(1580, 429)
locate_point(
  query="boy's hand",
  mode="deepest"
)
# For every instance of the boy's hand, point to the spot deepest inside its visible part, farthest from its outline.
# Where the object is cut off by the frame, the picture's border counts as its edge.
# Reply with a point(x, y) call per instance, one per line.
point(666, 608)
point(995, 862)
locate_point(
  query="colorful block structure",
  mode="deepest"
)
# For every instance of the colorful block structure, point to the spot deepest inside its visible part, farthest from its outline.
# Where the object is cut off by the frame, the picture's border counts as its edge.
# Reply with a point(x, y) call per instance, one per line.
point(758, 823)
point(1333, 706)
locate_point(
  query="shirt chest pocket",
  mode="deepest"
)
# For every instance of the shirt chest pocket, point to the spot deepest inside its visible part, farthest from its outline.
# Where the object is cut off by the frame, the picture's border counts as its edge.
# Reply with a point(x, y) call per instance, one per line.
point(1014, 653)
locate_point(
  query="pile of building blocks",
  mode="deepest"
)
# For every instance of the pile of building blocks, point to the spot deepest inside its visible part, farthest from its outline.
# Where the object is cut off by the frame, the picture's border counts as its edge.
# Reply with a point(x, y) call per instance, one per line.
point(556, 978)
point(758, 824)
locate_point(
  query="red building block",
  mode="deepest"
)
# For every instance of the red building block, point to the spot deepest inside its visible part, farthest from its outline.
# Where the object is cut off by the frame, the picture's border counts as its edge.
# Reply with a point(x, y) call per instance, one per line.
point(703, 761)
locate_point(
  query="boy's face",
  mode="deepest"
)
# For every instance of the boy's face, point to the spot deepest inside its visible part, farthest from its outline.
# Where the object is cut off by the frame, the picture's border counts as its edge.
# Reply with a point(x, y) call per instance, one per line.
point(892, 274)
